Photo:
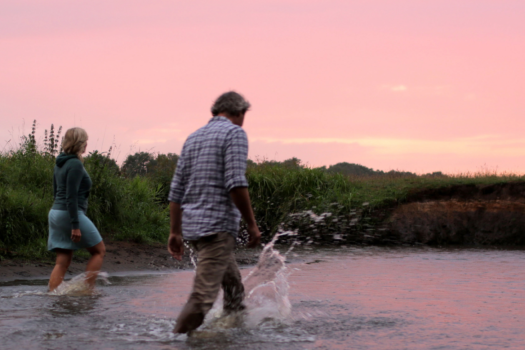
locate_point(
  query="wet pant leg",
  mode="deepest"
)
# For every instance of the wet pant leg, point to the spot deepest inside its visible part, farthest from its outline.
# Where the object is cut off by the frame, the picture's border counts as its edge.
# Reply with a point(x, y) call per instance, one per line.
point(232, 287)
point(216, 267)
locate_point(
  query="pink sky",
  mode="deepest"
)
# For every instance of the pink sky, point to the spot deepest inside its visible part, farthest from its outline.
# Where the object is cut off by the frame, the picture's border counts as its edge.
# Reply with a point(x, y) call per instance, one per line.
point(410, 84)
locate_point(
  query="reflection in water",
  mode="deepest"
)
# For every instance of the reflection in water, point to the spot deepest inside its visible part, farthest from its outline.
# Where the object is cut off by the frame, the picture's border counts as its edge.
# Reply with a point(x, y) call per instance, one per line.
point(66, 305)
point(360, 298)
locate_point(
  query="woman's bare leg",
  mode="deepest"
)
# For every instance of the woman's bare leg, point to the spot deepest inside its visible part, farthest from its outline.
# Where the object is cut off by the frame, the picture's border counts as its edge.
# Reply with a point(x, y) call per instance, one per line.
point(63, 261)
point(95, 262)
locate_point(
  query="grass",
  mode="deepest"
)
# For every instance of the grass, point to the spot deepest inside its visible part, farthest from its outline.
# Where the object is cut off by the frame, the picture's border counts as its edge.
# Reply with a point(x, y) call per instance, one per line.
point(277, 191)
point(380, 191)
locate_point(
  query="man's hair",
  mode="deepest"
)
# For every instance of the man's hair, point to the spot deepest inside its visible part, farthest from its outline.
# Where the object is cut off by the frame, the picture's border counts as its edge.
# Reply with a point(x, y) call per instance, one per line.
point(231, 103)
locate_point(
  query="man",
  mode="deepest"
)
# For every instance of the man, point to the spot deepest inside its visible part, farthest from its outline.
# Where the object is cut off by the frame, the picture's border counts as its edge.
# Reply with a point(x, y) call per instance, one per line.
point(208, 194)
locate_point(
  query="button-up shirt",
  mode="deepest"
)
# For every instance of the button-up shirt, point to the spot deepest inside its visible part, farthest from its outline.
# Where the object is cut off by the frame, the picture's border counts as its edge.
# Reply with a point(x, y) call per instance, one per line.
point(212, 162)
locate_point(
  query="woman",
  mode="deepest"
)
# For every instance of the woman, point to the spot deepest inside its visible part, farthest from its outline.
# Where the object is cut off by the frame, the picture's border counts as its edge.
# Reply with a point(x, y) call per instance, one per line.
point(69, 228)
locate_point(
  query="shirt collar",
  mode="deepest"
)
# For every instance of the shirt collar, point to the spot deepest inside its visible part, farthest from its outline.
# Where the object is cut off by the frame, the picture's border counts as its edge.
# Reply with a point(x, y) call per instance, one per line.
point(220, 118)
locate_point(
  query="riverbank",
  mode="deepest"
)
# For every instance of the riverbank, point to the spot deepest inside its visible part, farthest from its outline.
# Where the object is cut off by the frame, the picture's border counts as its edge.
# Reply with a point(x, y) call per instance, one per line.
point(468, 214)
point(120, 257)
point(474, 215)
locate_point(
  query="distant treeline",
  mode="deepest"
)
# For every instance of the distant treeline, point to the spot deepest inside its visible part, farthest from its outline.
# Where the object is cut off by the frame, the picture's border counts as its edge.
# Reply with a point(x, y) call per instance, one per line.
point(349, 169)
point(158, 164)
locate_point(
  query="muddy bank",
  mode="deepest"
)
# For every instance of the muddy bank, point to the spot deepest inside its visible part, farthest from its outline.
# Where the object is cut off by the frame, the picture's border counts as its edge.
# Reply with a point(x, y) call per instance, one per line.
point(120, 257)
point(461, 215)
point(468, 215)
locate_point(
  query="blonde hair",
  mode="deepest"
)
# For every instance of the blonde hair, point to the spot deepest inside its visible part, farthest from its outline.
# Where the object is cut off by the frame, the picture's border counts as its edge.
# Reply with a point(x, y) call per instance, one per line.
point(74, 141)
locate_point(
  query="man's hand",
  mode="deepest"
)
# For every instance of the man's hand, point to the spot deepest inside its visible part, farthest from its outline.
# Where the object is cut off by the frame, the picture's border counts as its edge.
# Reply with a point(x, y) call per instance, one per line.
point(241, 198)
point(254, 237)
point(176, 246)
point(76, 235)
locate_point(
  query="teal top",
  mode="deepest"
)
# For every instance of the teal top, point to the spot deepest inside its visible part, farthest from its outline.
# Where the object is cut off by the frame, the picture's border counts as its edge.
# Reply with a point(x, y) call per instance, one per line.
point(71, 186)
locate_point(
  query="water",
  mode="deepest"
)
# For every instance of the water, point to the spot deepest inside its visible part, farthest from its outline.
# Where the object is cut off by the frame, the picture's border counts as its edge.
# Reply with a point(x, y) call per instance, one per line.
point(340, 298)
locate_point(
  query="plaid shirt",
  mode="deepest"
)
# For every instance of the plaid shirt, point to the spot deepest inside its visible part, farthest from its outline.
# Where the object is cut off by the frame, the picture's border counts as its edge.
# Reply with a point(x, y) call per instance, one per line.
point(212, 162)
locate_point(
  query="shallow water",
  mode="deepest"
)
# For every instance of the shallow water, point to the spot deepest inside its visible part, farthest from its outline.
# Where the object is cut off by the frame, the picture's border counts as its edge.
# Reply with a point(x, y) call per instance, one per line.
point(344, 298)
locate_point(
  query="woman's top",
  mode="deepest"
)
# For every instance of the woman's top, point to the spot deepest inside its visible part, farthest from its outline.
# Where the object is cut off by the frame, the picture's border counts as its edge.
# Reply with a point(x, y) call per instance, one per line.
point(71, 186)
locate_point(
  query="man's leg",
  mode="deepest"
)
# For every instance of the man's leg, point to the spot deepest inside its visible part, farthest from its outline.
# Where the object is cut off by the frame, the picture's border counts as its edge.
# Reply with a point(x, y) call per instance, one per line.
point(233, 287)
point(214, 252)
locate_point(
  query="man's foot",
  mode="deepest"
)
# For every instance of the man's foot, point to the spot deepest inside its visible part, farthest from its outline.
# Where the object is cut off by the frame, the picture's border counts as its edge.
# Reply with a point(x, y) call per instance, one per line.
point(188, 322)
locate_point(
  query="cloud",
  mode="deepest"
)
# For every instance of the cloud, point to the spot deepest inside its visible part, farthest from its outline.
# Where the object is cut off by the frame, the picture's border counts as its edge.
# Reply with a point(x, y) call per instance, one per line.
point(493, 145)
point(399, 88)
point(394, 88)
point(156, 135)
point(419, 89)
point(150, 141)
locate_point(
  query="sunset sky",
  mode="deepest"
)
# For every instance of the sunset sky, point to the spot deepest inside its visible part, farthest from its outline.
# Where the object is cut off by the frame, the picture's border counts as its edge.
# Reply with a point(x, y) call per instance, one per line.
point(414, 85)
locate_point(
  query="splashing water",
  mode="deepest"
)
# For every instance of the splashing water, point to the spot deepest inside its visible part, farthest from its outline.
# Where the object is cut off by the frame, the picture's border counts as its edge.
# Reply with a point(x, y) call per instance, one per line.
point(193, 254)
point(23, 294)
point(78, 286)
point(266, 300)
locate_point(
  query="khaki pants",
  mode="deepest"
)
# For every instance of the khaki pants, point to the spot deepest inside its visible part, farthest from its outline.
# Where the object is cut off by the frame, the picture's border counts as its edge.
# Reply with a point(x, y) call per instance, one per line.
point(216, 267)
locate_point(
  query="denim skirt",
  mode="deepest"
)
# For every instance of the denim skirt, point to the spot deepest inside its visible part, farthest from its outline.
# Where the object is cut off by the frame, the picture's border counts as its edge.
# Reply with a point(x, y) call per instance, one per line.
point(60, 231)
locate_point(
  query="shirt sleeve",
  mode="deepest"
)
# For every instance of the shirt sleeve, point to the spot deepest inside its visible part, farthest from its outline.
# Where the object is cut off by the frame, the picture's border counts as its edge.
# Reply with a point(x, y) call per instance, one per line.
point(178, 183)
point(73, 179)
point(54, 186)
point(235, 156)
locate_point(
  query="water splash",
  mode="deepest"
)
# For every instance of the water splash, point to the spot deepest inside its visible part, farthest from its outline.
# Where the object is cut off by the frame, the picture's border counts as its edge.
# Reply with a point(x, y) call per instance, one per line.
point(266, 288)
point(23, 294)
point(147, 330)
point(193, 254)
point(78, 286)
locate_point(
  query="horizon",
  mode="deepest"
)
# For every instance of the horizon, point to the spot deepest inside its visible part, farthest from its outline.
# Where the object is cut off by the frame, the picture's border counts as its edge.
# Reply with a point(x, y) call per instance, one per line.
point(391, 85)
point(39, 139)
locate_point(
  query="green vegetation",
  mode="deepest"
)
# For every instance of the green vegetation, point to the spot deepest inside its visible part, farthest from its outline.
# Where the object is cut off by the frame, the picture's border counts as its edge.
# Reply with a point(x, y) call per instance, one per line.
point(122, 208)
point(158, 168)
point(130, 203)
point(352, 169)
point(323, 206)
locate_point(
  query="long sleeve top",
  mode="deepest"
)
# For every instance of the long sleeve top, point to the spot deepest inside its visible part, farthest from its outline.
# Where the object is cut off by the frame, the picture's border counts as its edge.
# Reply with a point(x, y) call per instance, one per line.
point(71, 186)
point(212, 162)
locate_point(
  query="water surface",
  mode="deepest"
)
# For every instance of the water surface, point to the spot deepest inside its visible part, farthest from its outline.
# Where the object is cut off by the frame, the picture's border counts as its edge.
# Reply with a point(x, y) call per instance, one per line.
point(341, 298)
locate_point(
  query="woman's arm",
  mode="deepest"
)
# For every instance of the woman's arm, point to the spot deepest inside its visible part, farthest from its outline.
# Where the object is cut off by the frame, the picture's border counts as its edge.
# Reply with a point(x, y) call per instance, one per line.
point(73, 179)
point(54, 186)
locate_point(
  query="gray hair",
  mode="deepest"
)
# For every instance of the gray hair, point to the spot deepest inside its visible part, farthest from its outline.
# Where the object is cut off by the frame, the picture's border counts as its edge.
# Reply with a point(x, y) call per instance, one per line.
point(231, 103)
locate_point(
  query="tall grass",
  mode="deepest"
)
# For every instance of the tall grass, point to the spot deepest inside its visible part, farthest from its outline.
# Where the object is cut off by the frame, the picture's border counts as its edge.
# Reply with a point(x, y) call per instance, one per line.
point(380, 191)
point(277, 191)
